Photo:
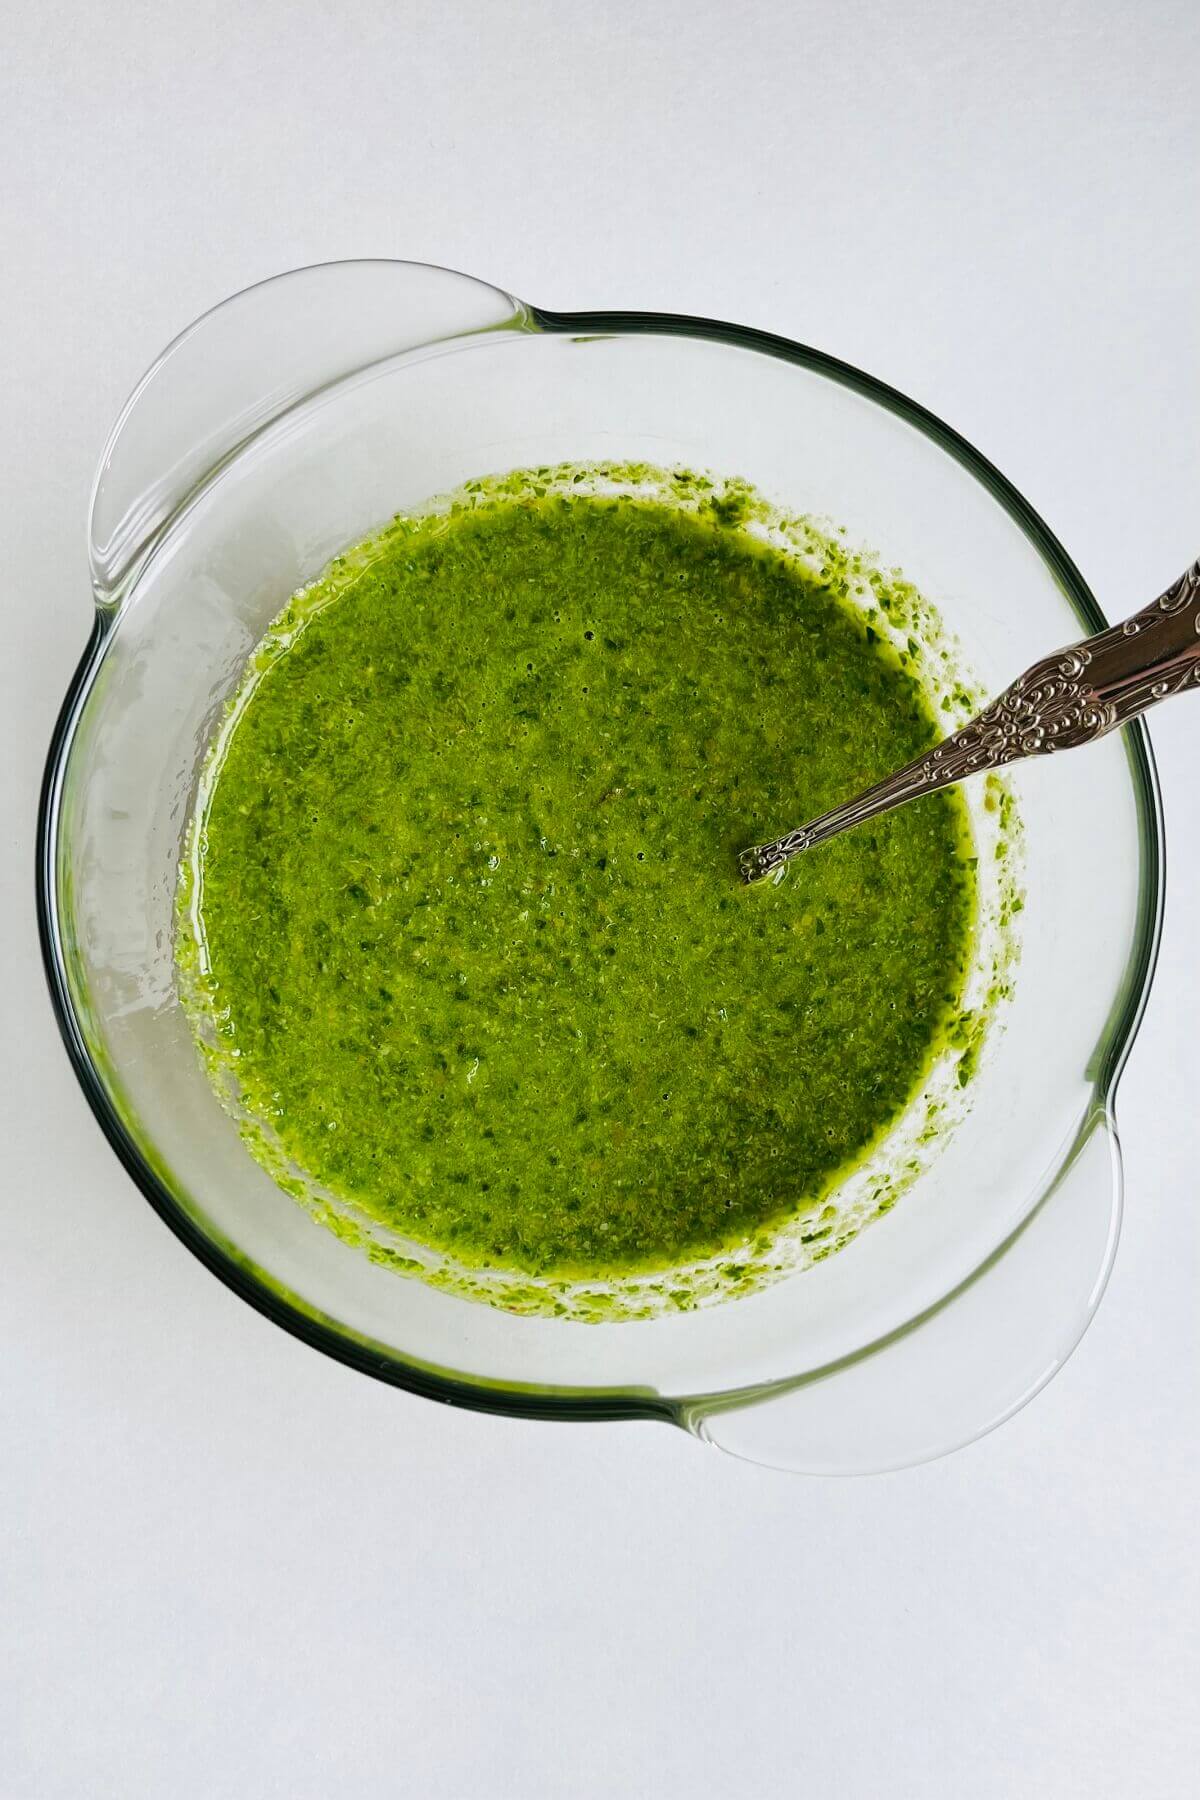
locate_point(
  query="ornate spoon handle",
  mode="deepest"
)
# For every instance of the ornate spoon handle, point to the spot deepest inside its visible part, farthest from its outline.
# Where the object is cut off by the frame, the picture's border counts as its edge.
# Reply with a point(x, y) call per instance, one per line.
point(1068, 698)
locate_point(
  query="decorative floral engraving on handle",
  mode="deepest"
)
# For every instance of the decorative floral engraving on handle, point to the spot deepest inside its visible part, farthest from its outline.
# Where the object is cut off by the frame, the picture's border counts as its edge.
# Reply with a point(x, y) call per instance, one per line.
point(1068, 698)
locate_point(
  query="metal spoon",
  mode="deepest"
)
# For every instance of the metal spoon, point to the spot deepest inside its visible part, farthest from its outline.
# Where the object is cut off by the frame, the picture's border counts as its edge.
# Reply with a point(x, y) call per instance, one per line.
point(1068, 698)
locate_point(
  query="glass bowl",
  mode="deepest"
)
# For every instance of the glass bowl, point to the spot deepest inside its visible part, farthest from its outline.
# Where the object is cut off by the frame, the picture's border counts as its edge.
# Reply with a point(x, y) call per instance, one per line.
point(287, 424)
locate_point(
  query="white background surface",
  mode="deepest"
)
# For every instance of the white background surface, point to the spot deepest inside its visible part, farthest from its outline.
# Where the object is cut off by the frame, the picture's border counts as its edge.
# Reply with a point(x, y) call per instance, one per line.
point(229, 1567)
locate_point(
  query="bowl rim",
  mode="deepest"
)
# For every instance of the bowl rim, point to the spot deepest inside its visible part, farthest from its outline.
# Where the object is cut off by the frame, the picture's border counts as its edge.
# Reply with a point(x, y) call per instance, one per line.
point(1109, 1058)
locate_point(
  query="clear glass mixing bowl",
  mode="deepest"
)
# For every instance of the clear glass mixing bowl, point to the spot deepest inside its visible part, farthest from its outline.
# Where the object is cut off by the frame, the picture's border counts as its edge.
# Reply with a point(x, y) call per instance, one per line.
point(287, 424)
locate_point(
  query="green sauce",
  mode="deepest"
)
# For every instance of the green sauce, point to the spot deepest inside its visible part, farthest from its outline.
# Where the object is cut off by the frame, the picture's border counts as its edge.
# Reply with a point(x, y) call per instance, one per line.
point(463, 897)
